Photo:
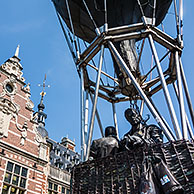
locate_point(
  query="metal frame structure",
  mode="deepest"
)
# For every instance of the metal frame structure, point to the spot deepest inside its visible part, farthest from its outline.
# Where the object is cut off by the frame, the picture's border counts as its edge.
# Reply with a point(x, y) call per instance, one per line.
point(105, 38)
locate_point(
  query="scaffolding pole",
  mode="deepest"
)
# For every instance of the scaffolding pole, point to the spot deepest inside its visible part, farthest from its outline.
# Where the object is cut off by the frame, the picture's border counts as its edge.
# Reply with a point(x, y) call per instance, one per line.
point(181, 99)
point(119, 60)
point(91, 127)
point(165, 89)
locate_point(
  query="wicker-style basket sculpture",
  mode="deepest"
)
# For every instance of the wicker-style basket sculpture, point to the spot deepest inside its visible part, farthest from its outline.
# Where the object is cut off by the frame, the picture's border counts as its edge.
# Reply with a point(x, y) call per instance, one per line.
point(120, 174)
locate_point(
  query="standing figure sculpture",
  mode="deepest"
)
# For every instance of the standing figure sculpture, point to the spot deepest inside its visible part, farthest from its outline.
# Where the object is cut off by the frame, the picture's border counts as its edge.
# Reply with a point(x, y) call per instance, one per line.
point(140, 132)
point(105, 146)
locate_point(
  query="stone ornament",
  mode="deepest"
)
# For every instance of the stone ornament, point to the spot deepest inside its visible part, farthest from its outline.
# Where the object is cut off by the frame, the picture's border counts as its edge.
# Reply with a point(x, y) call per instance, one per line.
point(7, 111)
point(13, 66)
point(8, 87)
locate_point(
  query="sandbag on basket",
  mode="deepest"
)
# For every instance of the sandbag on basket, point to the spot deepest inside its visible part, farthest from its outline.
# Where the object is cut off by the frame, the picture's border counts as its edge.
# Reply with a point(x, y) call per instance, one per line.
point(168, 183)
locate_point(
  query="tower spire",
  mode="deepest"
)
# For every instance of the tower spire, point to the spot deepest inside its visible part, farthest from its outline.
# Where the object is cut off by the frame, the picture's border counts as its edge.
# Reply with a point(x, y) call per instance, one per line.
point(17, 51)
point(41, 115)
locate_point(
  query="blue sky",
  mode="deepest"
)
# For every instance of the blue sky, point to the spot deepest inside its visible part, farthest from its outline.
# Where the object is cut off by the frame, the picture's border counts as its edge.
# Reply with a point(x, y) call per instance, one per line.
point(34, 26)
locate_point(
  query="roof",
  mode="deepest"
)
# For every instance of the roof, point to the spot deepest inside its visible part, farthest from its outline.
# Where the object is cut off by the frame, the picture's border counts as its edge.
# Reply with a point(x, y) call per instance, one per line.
point(62, 157)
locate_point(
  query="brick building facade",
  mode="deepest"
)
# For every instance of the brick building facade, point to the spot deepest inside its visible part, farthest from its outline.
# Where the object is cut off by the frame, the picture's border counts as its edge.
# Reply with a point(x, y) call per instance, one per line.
point(25, 149)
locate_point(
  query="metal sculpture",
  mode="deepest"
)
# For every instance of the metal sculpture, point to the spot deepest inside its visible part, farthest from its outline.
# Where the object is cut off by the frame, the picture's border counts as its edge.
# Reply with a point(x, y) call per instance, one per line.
point(140, 133)
point(117, 26)
point(105, 146)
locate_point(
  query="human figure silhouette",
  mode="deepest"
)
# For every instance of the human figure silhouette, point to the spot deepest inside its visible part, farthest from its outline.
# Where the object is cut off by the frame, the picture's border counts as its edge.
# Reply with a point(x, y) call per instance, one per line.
point(105, 146)
point(140, 133)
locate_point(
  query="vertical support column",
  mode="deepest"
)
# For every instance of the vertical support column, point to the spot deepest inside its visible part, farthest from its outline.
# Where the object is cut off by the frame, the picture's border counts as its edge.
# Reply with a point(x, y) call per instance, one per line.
point(181, 20)
point(86, 119)
point(187, 93)
point(98, 117)
point(162, 118)
point(165, 89)
point(95, 103)
point(115, 119)
point(187, 120)
point(105, 17)
point(120, 61)
point(141, 107)
point(86, 114)
point(82, 115)
point(181, 99)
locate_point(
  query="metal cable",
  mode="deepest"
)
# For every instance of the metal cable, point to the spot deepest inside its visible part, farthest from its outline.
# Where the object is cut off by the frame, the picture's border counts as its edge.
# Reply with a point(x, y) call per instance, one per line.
point(66, 37)
point(176, 18)
point(141, 9)
point(154, 11)
point(72, 28)
point(89, 13)
point(93, 62)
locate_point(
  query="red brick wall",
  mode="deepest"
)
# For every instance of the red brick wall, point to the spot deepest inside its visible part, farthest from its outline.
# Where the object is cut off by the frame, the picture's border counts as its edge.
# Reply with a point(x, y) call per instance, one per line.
point(14, 135)
point(37, 179)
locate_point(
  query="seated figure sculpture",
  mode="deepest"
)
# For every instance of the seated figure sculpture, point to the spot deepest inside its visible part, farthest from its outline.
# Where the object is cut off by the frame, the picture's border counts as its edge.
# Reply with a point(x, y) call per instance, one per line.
point(140, 132)
point(105, 146)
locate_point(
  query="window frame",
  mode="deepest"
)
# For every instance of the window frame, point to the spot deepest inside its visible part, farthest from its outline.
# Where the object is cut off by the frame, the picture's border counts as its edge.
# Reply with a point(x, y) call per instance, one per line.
point(13, 171)
point(52, 189)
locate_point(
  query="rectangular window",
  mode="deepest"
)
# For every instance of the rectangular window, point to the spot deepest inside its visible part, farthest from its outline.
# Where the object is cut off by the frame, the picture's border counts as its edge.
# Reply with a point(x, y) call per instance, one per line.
point(10, 166)
point(52, 188)
point(15, 179)
point(65, 190)
point(55, 187)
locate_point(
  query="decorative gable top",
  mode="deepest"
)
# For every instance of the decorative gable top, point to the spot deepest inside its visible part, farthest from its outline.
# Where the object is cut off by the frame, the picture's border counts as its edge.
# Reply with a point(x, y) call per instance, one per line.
point(13, 66)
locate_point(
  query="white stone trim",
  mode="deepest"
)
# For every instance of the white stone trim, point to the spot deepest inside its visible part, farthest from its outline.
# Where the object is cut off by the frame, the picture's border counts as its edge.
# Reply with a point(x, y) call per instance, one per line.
point(34, 181)
point(33, 192)
point(32, 155)
point(38, 185)
point(23, 117)
point(40, 175)
point(38, 189)
point(26, 138)
point(31, 130)
point(40, 179)
point(21, 96)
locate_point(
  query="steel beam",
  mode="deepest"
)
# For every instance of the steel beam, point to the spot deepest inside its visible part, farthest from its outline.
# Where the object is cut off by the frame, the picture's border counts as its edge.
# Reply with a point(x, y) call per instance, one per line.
point(92, 45)
point(86, 111)
point(141, 107)
point(181, 99)
point(97, 117)
point(187, 120)
point(115, 119)
point(187, 93)
point(119, 59)
point(162, 118)
point(125, 29)
point(91, 127)
point(165, 89)
point(82, 116)
point(107, 75)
